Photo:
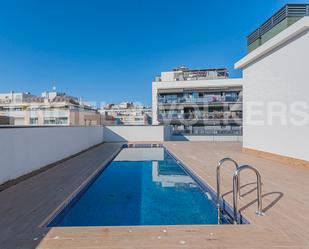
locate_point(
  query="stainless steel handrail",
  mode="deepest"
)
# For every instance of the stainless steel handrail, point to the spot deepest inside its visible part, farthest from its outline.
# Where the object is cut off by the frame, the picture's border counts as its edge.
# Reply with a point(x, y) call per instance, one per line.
point(218, 176)
point(236, 189)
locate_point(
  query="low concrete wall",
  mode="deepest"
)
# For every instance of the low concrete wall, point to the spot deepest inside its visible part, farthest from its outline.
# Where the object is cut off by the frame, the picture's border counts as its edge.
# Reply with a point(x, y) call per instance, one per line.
point(127, 133)
point(26, 149)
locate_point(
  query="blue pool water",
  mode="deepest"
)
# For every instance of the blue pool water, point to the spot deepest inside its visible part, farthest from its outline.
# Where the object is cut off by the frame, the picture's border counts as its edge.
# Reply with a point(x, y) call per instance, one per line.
point(141, 186)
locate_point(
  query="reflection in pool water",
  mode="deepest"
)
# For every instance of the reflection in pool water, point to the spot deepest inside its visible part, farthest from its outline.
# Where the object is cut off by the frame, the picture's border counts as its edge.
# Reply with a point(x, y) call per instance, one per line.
point(144, 186)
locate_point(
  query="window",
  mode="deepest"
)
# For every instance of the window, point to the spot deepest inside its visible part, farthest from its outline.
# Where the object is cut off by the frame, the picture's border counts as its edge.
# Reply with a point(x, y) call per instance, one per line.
point(33, 121)
point(56, 121)
point(195, 95)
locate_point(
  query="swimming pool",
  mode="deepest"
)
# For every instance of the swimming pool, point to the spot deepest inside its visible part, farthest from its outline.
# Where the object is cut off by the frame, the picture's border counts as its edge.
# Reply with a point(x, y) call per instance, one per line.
point(142, 186)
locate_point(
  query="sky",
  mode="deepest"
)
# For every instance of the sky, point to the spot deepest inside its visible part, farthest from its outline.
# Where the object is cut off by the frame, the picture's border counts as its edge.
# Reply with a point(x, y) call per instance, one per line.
point(109, 51)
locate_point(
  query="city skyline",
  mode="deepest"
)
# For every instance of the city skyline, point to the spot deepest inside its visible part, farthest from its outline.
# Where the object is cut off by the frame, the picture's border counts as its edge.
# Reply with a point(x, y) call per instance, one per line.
point(91, 50)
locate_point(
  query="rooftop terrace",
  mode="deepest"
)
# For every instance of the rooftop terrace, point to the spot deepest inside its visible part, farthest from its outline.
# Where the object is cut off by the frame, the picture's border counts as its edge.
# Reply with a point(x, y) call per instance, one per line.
point(282, 19)
point(25, 206)
point(186, 74)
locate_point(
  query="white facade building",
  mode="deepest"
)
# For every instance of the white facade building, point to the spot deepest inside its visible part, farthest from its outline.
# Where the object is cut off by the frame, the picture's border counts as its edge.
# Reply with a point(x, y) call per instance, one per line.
point(276, 100)
point(198, 102)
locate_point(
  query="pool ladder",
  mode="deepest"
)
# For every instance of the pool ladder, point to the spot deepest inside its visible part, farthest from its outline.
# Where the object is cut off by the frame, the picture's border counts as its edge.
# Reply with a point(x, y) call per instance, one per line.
point(236, 187)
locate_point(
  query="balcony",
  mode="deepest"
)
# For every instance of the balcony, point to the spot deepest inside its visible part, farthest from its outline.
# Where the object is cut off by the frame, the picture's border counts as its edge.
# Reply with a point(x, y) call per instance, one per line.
point(212, 99)
point(212, 118)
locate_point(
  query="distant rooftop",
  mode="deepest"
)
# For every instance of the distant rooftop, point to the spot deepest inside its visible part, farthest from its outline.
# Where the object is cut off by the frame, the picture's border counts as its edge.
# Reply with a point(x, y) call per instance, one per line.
point(124, 105)
point(282, 19)
point(184, 73)
point(26, 98)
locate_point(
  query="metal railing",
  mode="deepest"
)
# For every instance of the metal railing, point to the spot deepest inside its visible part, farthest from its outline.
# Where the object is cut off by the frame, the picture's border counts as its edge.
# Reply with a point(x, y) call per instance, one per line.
point(184, 74)
point(289, 10)
point(221, 162)
point(225, 117)
point(211, 99)
point(236, 190)
point(209, 132)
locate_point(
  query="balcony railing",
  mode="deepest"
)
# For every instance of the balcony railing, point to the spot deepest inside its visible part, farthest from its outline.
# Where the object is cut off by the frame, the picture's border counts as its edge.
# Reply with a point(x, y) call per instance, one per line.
point(209, 131)
point(289, 10)
point(200, 116)
point(211, 99)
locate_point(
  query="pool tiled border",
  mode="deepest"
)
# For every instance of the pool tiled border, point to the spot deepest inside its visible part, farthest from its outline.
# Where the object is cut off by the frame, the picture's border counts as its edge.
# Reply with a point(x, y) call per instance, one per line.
point(71, 199)
point(207, 188)
point(68, 202)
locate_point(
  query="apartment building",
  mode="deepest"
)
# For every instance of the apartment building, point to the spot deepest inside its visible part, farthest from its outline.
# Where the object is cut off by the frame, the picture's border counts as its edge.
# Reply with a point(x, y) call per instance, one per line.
point(127, 113)
point(51, 108)
point(275, 77)
point(198, 102)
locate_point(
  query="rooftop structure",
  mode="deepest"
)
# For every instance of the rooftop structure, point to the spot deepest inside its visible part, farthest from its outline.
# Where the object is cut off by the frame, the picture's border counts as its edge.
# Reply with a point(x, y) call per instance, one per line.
point(51, 108)
point(17, 98)
point(183, 74)
point(282, 19)
point(275, 82)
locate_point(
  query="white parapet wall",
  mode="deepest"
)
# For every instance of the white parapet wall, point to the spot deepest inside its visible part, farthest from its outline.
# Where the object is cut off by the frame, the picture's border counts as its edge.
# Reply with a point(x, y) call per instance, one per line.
point(139, 133)
point(26, 149)
point(276, 87)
